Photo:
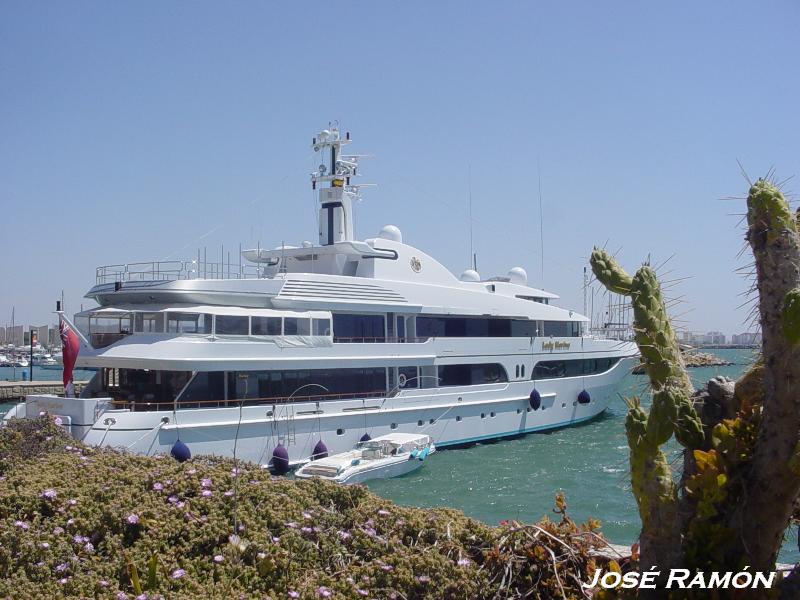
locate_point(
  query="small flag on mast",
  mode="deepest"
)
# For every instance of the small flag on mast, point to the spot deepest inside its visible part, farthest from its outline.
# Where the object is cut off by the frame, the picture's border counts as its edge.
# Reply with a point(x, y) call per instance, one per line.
point(70, 346)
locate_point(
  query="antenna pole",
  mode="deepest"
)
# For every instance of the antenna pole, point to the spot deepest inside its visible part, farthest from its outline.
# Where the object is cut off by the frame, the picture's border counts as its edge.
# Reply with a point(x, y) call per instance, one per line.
point(541, 218)
point(469, 186)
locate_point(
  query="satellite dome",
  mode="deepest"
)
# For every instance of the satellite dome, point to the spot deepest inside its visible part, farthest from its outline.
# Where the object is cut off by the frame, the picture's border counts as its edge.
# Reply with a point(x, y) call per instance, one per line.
point(307, 245)
point(518, 275)
point(470, 275)
point(390, 232)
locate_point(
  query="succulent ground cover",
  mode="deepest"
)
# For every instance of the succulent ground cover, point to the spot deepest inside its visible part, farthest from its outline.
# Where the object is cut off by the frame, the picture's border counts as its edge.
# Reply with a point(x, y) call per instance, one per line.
point(81, 522)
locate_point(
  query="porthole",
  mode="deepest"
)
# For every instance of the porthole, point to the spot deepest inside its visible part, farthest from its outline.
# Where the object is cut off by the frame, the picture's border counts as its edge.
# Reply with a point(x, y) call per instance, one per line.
point(519, 411)
point(483, 415)
point(340, 432)
point(492, 414)
point(517, 371)
point(431, 421)
point(563, 405)
point(523, 371)
point(528, 409)
point(269, 413)
point(420, 422)
point(458, 417)
point(393, 425)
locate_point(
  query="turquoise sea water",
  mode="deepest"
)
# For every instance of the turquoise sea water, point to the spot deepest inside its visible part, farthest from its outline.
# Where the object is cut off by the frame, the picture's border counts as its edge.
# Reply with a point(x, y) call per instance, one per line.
point(518, 479)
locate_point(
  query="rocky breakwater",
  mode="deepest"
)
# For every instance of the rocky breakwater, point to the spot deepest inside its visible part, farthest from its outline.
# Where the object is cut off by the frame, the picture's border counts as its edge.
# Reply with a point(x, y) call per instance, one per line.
point(694, 359)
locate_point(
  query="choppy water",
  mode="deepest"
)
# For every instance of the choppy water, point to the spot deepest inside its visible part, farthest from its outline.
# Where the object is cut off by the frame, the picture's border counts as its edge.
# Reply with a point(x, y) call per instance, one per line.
point(518, 479)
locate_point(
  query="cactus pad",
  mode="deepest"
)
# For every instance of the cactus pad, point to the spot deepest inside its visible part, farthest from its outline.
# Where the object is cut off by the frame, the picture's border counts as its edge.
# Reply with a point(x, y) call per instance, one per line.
point(609, 273)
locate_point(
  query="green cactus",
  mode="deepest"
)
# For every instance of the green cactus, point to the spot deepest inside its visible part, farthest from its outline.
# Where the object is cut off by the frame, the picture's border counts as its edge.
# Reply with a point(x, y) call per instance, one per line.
point(768, 212)
point(790, 316)
point(609, 273)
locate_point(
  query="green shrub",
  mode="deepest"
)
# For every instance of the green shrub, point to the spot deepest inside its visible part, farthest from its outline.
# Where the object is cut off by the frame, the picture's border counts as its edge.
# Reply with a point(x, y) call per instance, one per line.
point(81, 522)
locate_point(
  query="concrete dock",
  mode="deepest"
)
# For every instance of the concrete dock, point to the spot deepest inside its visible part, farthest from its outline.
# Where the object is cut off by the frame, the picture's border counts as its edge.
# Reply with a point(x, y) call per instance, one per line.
point(13, 391)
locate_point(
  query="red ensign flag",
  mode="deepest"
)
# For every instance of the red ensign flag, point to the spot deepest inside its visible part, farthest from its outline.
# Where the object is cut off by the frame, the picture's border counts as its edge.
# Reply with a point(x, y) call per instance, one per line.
point(70, 345)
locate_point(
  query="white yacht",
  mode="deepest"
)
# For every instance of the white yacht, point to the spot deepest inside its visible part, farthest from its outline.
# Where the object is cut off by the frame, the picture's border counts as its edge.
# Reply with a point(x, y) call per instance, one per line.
point(304, 350)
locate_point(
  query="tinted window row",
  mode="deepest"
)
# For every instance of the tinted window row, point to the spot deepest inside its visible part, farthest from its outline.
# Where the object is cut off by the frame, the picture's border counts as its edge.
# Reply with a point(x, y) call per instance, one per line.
point(471, 374)
point(359, 328)
point(297, 383)
point(551, 369)
point(228, 324)
point(430, 326)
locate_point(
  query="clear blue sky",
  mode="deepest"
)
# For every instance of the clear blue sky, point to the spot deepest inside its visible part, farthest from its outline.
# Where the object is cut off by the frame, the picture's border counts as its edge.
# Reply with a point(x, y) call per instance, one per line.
point(142, 130)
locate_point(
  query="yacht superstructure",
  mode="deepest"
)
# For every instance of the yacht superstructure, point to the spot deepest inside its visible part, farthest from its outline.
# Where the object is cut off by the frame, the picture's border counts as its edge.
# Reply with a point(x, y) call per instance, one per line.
point(306, 350)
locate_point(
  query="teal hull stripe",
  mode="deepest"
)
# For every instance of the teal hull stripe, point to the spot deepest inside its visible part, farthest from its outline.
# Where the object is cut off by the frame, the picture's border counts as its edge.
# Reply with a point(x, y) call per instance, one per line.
point(515, 432)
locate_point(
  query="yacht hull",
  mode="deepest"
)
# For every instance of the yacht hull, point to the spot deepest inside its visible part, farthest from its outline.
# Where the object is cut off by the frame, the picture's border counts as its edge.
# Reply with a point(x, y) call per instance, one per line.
point(451, 416)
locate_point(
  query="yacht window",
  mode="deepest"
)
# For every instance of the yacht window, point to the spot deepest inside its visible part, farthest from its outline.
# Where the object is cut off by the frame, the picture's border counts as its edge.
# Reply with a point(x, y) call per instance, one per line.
point(188, 323)
point(401, 329)
point(266, 325)
point(148, 322)
point(295, 326)
point(339, 383)
point(550, 369)
point(471, 374)
point(231, 325)
point(430, 326)
point(204, 387)
point(104, 331)
point(562, 328)
point(322, 327)
point(359, 328)
point(407, 377)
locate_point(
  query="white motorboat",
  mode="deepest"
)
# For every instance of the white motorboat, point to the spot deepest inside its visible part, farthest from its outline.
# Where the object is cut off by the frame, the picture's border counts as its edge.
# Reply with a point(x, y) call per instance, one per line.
point(386, 456)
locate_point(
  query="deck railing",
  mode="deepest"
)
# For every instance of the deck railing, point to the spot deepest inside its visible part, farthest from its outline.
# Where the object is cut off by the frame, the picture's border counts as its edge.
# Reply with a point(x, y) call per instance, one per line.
point(172, 270)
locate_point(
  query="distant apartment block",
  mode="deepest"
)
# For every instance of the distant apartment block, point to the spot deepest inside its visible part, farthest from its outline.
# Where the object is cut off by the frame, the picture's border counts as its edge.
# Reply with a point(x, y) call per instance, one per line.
point(746, 339)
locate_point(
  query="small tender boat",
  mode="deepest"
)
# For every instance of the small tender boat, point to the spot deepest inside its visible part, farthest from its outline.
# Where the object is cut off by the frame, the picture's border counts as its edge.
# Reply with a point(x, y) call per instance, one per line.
point(380, 458)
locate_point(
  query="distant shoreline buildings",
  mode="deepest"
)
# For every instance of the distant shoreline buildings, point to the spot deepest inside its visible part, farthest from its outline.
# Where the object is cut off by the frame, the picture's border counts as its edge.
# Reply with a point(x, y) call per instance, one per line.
point(717, 338)
point(20, 335)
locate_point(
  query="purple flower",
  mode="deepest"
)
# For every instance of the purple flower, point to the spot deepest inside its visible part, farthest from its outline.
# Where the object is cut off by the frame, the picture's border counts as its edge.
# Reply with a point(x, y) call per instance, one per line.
point(63, 580)
point(89, 547)
point(307, 515)
point(121, 596)
point(207, 493)
point(384, 513)
point(58, 421)
point(132, 519)
point(387, 568)
point(58, 530)
point(45, 545)
point(275, 539)
point(362, 592)
point(21, 524)
point(158, 486)
point(191, 471)
point(178, 573)
point(369, 531)
point(229, 493)
point(292, 594)
point(218, 558)
point(103, 583)
point(172, 499)
point(306, 529)
point(141, 597)
point(463, 562)
point(70, 521)
point(181, 504)
point(49, 494)
point(72, 501)
point(235, 471)
point(205, 482)
point(423, 579)
point(343, 535)
point(290, 525)
point(61, 568)
point(323, 592)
